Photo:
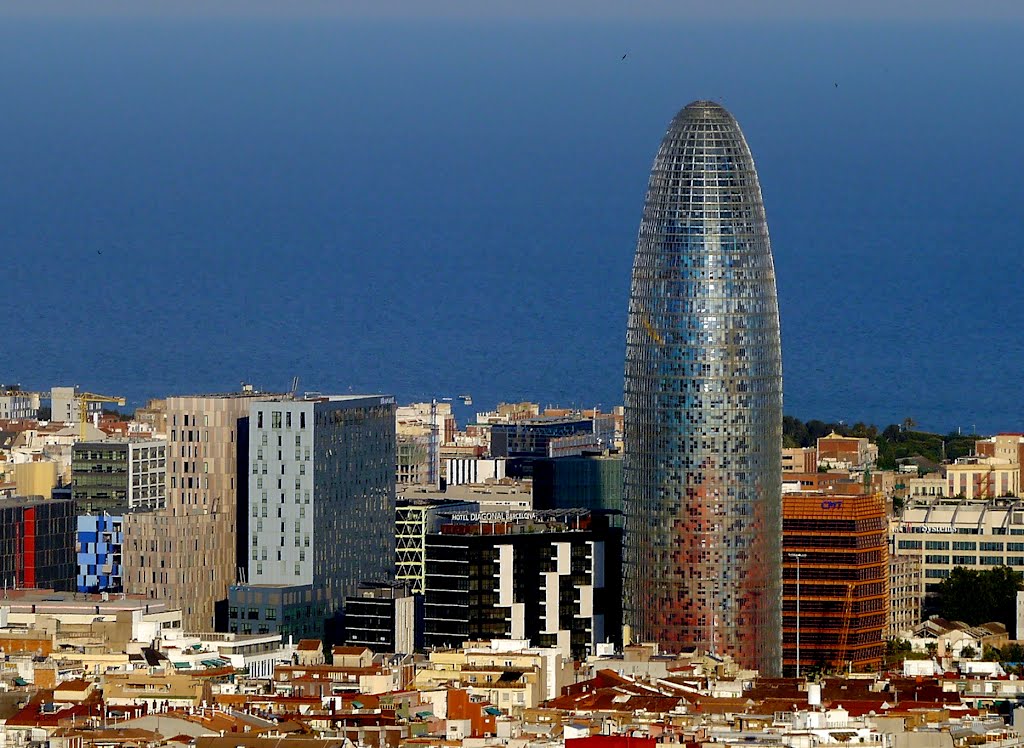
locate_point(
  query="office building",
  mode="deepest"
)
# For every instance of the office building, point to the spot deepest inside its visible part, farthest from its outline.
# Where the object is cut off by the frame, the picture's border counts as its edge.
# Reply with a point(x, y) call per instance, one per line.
point(381, 617)
point(552, 436)
point(321, 501)
point(948, 532)
point(37, 543)
point(187, 553)
point(550, 577)
point(703, 403)
point(839, 546)
point(588, 481)
point(295, 611)
point(119, 475)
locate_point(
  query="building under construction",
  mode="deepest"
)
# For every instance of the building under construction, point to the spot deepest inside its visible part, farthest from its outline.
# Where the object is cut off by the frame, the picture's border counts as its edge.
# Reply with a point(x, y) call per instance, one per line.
point(839, 543)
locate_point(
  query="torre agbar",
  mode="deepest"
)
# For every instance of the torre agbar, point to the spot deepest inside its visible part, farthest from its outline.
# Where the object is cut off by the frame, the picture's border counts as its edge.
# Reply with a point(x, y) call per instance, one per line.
point(703, 396)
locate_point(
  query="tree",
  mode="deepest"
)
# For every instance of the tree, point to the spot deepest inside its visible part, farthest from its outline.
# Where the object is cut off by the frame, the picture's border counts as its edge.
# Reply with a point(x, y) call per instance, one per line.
point(968, 653)
point(931, 648)
point(976, 597)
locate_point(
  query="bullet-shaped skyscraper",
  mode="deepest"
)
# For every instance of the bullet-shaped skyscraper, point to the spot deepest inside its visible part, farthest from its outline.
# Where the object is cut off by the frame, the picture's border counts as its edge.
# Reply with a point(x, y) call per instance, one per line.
point(703, 396)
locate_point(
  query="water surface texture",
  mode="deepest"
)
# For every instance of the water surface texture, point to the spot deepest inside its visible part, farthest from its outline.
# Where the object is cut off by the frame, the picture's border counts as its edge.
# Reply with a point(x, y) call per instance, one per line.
point(448, 207)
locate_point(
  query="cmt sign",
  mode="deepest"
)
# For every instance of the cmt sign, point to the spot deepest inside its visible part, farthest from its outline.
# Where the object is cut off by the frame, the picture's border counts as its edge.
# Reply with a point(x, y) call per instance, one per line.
point(831, 505)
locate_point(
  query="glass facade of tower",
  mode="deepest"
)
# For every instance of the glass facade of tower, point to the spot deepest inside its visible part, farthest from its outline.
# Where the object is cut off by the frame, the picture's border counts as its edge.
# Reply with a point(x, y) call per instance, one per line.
point(703, 397)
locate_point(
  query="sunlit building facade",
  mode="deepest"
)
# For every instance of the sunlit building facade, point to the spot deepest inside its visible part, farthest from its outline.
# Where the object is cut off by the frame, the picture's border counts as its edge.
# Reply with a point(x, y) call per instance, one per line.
point(703, 403)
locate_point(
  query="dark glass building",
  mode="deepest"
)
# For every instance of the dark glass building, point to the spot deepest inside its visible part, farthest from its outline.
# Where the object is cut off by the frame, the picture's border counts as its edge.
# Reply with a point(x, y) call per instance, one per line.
point(587, 481)
point(703, 403)
point(37, 543)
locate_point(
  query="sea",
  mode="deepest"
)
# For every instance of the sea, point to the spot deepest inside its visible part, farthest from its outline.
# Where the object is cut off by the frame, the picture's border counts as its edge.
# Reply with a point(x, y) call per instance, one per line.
point(438, 208)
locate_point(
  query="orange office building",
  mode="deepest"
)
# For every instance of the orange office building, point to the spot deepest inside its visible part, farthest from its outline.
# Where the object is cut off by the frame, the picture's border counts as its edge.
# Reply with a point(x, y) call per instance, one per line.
point(839, 542)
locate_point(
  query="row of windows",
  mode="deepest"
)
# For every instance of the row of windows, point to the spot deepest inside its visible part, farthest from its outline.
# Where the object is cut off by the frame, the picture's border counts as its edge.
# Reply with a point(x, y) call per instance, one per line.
point(276, 419)
point(259, 569)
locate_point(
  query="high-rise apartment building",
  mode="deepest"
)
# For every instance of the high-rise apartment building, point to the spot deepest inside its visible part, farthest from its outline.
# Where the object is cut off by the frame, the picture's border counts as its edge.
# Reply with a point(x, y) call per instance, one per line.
point(321, 507)
point(703, 403)
point(187, 553)
point(838, 545)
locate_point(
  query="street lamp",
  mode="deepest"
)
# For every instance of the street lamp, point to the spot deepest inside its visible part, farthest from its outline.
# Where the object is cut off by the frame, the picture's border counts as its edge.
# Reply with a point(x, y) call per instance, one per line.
point(798, 556)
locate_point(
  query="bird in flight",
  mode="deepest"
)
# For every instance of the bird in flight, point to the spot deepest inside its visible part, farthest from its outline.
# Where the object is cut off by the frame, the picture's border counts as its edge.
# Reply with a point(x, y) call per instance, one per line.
point(624, 56)
point(836, 85)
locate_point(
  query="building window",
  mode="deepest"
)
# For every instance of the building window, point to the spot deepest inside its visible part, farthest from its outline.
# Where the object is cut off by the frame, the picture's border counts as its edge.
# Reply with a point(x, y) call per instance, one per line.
point(302, 420)
point(298, 570)
point(259, 419)
point(275, 419)
point(288, 419)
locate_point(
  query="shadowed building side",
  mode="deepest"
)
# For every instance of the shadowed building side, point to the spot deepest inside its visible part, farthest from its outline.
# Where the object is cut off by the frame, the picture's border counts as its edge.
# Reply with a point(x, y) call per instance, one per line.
point(703, 403)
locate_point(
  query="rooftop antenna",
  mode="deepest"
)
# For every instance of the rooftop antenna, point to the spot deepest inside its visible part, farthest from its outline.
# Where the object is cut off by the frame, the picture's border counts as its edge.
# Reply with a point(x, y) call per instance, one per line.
point(295, 387)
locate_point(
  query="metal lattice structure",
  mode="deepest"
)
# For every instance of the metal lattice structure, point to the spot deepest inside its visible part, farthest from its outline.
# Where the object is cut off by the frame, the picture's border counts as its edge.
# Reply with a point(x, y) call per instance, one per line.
point(703, 403)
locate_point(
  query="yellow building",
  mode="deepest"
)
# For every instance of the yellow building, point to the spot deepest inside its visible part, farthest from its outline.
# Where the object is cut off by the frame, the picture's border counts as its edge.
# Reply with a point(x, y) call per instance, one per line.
point(35, 478)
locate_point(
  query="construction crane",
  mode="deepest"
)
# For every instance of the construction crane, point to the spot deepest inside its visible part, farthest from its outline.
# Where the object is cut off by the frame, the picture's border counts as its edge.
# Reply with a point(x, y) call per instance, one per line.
point(84, 399)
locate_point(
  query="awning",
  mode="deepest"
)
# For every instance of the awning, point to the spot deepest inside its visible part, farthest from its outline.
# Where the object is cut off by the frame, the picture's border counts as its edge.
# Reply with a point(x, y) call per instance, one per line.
point(493, 711)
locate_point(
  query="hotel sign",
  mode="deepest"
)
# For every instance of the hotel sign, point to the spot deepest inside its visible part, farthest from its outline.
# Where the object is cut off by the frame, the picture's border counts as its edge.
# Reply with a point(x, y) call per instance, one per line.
point(490, 516)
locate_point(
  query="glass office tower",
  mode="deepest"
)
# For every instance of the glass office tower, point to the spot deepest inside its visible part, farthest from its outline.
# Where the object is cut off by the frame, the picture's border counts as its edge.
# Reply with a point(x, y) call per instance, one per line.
point(703, 397)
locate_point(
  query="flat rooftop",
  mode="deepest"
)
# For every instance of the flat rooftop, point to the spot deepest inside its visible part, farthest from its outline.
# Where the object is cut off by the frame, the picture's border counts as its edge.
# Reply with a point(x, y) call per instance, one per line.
point(47, 601)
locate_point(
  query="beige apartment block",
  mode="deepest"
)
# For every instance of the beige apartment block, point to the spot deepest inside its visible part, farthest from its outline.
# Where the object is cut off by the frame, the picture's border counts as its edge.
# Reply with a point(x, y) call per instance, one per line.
point(186, 553)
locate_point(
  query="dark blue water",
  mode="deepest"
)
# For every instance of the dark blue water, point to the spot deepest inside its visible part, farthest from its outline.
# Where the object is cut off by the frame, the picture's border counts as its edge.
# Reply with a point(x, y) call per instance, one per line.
point(434, 209)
